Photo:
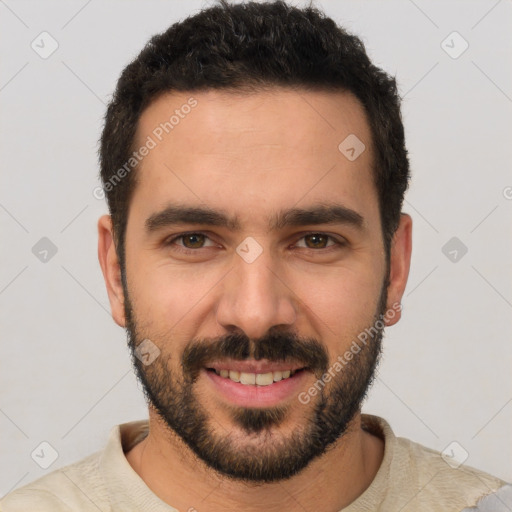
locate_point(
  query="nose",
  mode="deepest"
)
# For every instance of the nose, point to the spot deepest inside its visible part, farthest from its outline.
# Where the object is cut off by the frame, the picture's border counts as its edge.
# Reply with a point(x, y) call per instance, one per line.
point(256, 297)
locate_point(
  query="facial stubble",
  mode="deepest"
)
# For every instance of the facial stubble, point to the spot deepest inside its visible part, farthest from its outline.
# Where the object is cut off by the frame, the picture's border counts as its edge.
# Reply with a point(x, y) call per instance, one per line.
point(266, 456)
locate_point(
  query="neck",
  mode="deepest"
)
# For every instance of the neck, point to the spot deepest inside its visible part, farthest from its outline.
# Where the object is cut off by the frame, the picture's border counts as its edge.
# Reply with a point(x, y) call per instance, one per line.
point(330, 482)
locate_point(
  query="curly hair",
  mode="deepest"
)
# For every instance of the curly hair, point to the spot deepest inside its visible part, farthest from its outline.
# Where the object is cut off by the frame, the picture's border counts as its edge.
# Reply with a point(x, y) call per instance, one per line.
point(251, 47)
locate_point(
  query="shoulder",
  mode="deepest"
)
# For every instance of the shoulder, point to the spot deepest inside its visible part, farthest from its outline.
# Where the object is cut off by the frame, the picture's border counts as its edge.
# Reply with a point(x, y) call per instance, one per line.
point(86, 485)
point(438, 479)
point(415, 478)
point(74, 487)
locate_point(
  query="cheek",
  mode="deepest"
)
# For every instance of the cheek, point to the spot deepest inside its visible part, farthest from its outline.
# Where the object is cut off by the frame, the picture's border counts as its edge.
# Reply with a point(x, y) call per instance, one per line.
point(341, 303)
point(170, 297)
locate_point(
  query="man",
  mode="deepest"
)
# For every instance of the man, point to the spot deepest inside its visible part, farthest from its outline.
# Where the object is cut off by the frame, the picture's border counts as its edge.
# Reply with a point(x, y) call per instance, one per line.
point(254, 165)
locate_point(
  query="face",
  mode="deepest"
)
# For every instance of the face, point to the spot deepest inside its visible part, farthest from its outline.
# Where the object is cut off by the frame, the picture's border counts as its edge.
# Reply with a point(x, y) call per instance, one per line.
point(254, 248)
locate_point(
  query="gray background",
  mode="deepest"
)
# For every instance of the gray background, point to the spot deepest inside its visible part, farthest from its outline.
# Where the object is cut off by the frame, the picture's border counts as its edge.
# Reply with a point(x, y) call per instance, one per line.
point(65, 370)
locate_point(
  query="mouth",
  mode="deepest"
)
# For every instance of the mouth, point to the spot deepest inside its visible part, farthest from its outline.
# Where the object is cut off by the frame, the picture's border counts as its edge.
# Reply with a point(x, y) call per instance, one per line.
point(256, 388)
point(256, 379)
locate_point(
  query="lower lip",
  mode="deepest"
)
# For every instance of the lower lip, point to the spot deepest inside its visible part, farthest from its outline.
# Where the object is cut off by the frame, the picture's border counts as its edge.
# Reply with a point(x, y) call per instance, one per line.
point(257, 396)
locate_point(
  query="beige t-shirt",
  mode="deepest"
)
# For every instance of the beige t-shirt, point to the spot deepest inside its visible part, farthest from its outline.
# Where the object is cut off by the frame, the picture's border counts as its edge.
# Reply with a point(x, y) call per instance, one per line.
point(410, 478)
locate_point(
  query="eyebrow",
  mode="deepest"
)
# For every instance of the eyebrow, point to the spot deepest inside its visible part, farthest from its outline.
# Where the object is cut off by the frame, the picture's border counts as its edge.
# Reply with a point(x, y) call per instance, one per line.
point(316, 214)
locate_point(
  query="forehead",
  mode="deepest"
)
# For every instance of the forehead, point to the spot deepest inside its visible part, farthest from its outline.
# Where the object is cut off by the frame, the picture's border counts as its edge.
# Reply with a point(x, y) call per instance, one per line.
point(254, 152)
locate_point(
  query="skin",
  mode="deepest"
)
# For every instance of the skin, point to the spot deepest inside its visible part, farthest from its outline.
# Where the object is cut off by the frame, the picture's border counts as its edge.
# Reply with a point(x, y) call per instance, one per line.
point(250, 156)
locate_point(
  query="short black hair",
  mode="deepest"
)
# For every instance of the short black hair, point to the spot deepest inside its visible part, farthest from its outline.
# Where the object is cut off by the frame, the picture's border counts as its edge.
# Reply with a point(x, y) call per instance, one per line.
point(251, 47)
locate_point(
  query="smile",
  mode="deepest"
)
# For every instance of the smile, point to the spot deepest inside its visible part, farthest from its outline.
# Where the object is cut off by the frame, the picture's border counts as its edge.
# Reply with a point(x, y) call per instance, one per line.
point(255, 379)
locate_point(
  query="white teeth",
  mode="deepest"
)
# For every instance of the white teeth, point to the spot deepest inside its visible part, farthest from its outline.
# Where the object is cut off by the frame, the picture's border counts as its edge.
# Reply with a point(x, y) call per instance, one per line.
point(234, 375)
point(247, 378)
point(259, 379)
point(264, 379)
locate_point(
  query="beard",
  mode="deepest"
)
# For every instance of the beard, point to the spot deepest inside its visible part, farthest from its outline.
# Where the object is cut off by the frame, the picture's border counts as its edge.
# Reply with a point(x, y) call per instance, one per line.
point(262, 454)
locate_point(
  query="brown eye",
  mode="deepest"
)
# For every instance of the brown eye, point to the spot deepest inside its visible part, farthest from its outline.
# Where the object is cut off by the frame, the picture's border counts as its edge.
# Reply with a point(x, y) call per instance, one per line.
point(316, 241)
point(190, 243)
point(193, 240)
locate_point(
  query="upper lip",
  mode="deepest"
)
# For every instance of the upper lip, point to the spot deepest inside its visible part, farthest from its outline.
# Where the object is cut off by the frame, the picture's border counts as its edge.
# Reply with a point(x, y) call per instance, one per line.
point(255, 366)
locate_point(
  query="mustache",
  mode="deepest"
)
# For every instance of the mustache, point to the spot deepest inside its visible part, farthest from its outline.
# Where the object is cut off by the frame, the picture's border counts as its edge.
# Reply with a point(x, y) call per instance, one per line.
point(275, 347)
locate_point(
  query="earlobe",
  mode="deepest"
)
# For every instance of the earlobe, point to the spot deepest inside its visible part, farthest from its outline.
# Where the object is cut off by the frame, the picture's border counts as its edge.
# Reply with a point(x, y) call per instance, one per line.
point(111, 269)
point(400, 260)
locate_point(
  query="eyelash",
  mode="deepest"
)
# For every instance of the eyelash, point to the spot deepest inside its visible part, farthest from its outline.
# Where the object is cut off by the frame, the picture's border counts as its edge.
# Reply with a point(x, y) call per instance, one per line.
point(338, 243)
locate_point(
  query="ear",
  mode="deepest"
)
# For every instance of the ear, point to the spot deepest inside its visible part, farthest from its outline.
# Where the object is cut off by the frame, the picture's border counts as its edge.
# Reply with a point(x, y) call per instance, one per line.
point(109, 262)
point(400, 260)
